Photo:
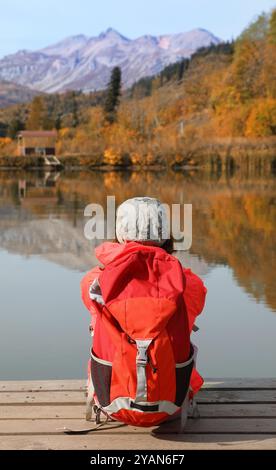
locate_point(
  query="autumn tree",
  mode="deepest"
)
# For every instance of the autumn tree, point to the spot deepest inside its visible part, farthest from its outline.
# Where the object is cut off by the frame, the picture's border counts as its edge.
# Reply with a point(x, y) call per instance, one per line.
point(113, 95)
point(37, 119)
point(249, 59)
point(262, 119)
point(270, 57)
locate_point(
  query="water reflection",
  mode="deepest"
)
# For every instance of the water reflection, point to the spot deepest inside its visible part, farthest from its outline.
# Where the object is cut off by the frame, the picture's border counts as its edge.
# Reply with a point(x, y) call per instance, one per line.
point(234, 220)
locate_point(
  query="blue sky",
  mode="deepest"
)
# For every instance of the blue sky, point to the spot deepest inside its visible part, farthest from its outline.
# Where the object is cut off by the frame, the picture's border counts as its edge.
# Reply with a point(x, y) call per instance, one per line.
point(32, 24)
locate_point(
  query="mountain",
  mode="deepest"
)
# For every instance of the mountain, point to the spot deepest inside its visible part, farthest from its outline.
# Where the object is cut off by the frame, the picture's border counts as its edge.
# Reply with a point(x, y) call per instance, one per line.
point(11, 93)
point(81, 62)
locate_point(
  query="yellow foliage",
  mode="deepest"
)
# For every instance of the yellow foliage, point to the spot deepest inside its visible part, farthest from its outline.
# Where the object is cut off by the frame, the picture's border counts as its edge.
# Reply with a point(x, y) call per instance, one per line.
point(64, 133)
point(111, 157)
point(96, 119)
point(136, 158)
point(230, 122)
point(262, 119)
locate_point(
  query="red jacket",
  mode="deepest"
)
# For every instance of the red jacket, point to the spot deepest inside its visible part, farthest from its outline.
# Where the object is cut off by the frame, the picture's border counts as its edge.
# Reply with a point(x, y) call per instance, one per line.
point(194, 298)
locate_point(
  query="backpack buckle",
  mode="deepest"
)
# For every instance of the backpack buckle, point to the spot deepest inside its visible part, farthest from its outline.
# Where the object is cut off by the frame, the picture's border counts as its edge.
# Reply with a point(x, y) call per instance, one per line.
point(141, 362)
point(142, 356)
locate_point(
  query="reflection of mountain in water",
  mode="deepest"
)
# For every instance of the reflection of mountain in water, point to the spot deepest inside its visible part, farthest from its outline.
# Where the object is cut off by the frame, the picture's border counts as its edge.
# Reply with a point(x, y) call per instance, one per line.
point(197, 264)
point(58, 241)
point(54, 239)
point(234, 220)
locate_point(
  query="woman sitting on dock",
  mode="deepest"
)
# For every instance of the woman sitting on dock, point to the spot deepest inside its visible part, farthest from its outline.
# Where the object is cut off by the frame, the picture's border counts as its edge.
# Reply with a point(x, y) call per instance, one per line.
point(143, 306)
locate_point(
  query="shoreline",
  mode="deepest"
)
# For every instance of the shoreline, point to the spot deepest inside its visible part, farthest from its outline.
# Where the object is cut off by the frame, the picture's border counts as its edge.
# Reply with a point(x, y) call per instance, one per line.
point(217, 153)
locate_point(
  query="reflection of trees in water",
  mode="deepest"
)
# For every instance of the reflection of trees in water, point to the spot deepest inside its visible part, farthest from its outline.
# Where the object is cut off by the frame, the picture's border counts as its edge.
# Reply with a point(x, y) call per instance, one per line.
point(15, 194)
point(234, 219)
point(241, 233)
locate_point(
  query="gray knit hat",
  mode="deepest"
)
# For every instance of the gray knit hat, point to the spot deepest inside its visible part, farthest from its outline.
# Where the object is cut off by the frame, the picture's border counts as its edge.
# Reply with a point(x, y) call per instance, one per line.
point(142, 219)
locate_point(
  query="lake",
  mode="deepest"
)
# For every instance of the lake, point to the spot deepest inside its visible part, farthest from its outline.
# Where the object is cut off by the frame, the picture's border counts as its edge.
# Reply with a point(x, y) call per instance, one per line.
point(43, 256)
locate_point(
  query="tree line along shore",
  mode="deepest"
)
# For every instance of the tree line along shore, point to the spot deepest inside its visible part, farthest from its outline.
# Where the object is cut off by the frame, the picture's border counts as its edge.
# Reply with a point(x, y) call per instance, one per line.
point(252, 156)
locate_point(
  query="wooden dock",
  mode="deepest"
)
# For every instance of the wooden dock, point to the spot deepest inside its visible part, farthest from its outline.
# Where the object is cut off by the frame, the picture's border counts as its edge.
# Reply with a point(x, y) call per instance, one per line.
point(235, 414)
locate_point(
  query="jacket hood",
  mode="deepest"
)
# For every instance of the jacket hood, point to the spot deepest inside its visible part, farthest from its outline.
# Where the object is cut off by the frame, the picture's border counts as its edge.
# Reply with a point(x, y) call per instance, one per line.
point(108, 251)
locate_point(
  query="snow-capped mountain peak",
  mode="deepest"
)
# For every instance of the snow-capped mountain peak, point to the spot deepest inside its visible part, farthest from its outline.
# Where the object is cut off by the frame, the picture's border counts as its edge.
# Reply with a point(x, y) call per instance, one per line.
point(83, 62)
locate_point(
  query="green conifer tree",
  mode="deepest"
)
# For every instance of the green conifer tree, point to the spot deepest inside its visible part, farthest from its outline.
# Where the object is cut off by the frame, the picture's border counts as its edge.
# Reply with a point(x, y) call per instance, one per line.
point(113, 95)
point(14, 127)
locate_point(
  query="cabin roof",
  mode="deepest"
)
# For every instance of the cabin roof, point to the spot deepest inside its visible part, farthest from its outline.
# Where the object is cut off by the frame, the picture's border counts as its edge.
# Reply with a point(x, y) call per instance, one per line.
point(37, 134)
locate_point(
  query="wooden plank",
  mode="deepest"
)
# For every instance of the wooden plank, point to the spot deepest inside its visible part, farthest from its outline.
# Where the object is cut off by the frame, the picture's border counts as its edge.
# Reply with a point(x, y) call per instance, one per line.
point(56, 426)
point(239, 383)
point(199, 426)
point(237, 396)
point(237, 410)
point(224, 426)
point(42, 412)
point(170, 442)
point(41, 397)
point(38, 385)
point(78, 397)
point(30, 385)
point(78, 411)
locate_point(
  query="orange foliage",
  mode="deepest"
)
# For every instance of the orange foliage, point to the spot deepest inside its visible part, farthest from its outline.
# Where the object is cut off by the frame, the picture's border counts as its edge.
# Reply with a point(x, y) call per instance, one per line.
point(4, 141)
point(7, 146)
point(262, 119)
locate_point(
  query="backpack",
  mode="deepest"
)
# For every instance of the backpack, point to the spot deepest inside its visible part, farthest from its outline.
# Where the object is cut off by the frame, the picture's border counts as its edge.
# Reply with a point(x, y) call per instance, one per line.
point(146, 382)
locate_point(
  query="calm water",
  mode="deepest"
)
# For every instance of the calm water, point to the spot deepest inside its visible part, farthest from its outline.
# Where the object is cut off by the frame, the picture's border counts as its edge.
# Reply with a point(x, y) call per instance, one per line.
point(43, 255)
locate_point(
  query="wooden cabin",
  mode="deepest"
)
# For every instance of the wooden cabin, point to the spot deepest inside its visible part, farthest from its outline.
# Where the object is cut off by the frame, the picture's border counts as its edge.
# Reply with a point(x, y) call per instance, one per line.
point(37, 143)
